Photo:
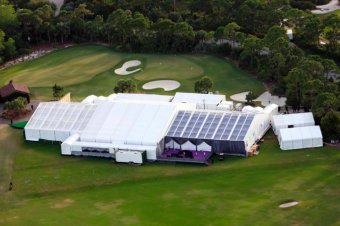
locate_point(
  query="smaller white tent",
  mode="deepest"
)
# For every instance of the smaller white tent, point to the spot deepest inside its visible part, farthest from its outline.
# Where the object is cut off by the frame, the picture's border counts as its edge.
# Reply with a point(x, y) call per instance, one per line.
point(188, 146)
point(248, 109)
point(202, 101)
point(300, 137)
point(226, 106)
point(203, 147)
point(90, 99)
point(292, 120)
point(172, 144)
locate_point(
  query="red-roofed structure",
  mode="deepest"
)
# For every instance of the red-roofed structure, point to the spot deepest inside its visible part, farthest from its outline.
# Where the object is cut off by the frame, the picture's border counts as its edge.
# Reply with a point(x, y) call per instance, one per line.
point(13, 90)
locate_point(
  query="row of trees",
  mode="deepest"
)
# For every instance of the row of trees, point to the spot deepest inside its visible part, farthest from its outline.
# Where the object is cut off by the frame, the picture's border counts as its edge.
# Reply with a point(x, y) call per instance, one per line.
point(161, 26)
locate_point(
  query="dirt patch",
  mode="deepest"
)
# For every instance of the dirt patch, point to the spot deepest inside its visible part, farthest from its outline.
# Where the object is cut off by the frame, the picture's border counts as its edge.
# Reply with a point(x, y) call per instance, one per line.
point(110, 206)
point(63, 204)
point(169, 196)
point(130, 220)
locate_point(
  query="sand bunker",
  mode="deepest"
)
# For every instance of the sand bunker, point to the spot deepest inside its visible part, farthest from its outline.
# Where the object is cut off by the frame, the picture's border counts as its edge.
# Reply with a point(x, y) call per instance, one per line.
point(123, 69)
point(265, 98)
point(167, 85)
point(288, 204)
point(240, 97)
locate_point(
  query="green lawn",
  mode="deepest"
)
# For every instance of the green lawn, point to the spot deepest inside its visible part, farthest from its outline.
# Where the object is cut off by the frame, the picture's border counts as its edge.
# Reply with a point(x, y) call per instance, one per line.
point(89, 69)
point(50, 189)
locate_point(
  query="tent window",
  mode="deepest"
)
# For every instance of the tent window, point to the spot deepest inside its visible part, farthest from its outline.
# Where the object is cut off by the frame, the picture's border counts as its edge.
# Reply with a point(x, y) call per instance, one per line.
point(92, 149)
point(290, 126)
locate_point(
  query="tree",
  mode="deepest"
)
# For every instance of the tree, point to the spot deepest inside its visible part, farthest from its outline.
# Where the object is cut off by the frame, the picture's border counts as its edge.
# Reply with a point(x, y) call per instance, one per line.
point(324, 103)
point(250, 98)
point(16, 104)
point(311, 89)
point(330, 125)
point(10, 48)
point(230, 32)
point(125, 86)
point(295, 80)
point(183, 37)
point(58, 91)
point(331, 31)
point(2, 46)
point(8, 17)
point(14, 108)
point(251, 48)
point(204, 85)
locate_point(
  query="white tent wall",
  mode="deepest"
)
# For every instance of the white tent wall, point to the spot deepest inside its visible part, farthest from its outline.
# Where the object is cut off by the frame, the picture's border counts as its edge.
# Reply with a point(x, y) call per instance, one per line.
point(257, 129)
point(47, 135)
point(66, 146)
point(300, 137)
point(62, 135)
point(32, 134)
point(271, 109)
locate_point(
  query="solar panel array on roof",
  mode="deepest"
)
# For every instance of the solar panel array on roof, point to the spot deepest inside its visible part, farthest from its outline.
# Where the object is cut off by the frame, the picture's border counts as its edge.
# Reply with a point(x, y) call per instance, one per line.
point(210, 125)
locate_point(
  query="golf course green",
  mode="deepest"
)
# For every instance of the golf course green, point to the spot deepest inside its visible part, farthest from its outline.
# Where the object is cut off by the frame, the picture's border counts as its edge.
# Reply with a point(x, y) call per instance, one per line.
point(89, 69)
point(50, 189)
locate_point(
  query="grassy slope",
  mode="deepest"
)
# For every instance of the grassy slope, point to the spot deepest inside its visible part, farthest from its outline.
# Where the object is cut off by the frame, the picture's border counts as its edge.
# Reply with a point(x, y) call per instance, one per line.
point(50, 188)
point(86, 70)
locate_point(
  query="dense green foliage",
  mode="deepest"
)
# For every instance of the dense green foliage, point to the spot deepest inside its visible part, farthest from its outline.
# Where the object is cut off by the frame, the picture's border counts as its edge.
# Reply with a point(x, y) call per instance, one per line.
point(125, 86)
point(57, 91)
point(204, 85)
point(17, 104)
point(50, 189)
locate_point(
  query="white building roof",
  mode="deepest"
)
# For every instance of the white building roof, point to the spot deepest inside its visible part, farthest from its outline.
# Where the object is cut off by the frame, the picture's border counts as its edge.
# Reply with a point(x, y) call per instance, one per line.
point(198, 98)
point(61, 116)
point(298, 119)
point(143, 97)
point(129, 122)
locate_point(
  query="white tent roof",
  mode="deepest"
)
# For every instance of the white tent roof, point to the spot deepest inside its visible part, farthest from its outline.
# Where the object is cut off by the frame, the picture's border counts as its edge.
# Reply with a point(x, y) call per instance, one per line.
point(129, 122)
point(143, 97)
point(198, 98)
point(298, 119)
point(90, 99)
point(61, 116)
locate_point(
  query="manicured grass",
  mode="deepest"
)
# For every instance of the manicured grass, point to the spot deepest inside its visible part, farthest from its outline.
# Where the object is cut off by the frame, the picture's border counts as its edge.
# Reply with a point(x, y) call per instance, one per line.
point(50, 189)
point(89, 69)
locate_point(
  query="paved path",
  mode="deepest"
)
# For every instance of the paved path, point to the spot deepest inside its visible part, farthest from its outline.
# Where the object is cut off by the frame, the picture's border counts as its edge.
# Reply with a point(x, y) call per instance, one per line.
point(330, 7)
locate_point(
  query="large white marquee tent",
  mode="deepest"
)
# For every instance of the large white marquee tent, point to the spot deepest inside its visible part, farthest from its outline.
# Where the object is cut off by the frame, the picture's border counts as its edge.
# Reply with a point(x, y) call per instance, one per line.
point(102, 126)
